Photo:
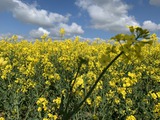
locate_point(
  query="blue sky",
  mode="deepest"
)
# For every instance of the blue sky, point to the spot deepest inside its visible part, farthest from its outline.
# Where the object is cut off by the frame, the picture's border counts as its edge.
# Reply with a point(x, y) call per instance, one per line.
point(85, 18)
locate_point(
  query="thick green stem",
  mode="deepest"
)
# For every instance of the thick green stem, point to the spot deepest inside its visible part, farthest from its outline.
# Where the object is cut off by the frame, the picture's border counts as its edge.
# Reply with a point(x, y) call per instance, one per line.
point(93, 87)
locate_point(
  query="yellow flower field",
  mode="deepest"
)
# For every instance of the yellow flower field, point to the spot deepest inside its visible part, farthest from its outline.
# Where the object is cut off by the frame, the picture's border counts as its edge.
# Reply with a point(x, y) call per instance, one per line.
point(47, 79)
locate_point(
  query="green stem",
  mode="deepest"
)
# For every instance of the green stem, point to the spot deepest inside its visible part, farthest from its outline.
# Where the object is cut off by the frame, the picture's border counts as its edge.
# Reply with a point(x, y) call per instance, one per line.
point(70, 92)
point(16, 105)
point(93, 87)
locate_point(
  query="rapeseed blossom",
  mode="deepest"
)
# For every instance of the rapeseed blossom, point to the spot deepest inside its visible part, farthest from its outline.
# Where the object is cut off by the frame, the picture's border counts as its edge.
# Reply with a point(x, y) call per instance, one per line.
point(43, 103)
point(131, 117)
point(62, 32)
point(89, 101)
point(2, 118)
point(57, 101)
point(2, 62)
point(98, 100)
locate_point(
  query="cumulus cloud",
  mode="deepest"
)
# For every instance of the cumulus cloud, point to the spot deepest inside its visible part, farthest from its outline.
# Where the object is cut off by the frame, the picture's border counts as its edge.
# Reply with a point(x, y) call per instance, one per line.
point(155, 2)
point(70, 29)
point(38, 33)
point(151, 25)
point(110, 15)
point(9, 35)
point(73, 28)
point(7, 5)
point(30, 14)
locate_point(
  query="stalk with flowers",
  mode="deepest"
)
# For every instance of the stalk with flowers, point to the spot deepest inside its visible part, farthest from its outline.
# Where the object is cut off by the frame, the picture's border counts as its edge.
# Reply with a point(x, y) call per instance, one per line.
point(131, 43)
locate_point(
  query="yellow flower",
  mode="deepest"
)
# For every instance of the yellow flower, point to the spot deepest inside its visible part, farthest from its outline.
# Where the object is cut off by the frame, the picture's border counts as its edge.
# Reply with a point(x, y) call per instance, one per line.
point(62, 32)
point(2, 118)
point(98, 100)
point(154, 37)
point(48, 82)
point(112, 83)
point(122, 91)
point(79, 82)
point(153, 95)
point(131, 117)
point(42, 101)
point(39, 109)
point(2, 62)
point(117, 100)
point(158, 94)
point(14, 37)
point(55, 117)
point(57, 101)
point(132, 75)
point(157, 110)
point(44, 36)
point(88, 101)
point(51, 116)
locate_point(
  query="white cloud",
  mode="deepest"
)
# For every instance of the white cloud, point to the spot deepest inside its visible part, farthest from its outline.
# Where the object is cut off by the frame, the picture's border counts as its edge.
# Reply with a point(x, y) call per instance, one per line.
point(30, 14)
point(9, 35)
point(110, 15)
point(151, 25)
point(7, 5)
point(72, 29)
point(38, 33)
point(155, 2)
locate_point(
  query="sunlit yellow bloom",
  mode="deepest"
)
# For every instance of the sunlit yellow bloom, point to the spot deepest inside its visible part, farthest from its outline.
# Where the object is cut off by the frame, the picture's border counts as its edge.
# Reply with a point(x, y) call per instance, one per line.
point(39, 109)
point(98, 100)
point(157, 110)
point(2, 62)
point(122, 91)
point(158, 94)
point(45, 119)
point(89, 101)
point(131, 117)
point(2, 118)
point(154, 96)
point(112, 83)
point(48, 82)
point(44, 36)
point(132, 75)
point(42, 101)
point(57, 101)
point(55, 117)
point(79, 82)
point(117, 100)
